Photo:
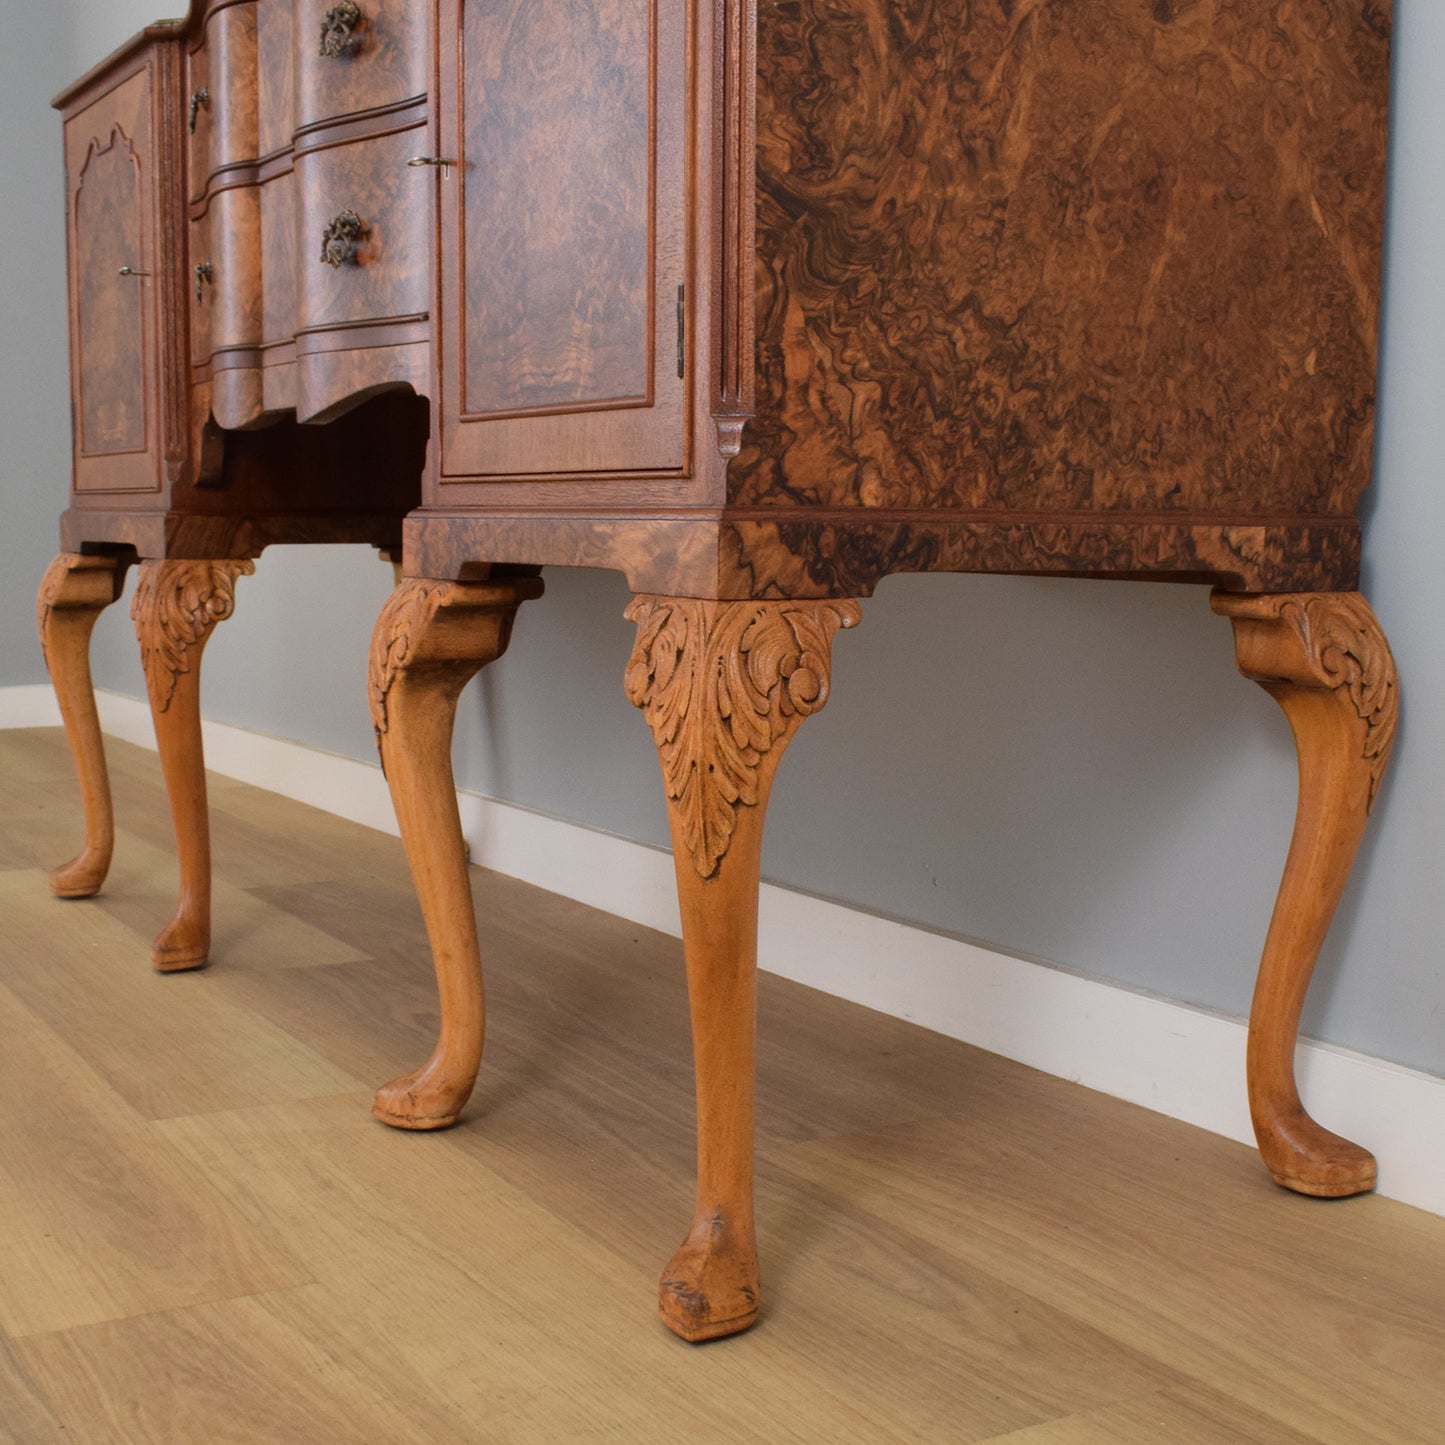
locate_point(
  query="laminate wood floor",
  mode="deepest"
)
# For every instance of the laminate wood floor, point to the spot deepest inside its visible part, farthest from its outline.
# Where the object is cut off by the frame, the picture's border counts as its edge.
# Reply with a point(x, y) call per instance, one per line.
point(206, 1239)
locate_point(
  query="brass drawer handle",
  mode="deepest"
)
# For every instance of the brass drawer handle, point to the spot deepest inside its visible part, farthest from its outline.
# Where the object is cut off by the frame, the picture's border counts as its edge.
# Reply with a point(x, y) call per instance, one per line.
point(199, 98)
point(131, 271)
point(338, 30)
point(204, 276)
point(342, 239)
point(443, 161)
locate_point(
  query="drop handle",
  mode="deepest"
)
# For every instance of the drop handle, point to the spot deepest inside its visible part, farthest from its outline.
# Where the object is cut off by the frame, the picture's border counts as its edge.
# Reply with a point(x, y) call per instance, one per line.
point(131, 271)
point(205, 274)
point(199, 98)
point(338, 30)
point(444, 162)
point(341, 240)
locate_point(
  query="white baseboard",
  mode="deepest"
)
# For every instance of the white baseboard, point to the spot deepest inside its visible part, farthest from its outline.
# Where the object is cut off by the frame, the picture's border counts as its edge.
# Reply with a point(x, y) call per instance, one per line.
point(30, 706)
point(1181, 1061)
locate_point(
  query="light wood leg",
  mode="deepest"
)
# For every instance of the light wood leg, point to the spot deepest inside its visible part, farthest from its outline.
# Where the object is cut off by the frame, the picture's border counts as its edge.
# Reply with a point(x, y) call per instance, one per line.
point(177, 606)
point(430, 640)
point(724, 686)
point(1324, 659)
point(74, 592)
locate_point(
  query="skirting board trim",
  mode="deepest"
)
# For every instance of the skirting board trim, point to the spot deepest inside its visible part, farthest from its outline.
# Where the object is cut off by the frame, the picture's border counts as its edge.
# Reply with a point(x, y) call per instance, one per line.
point(1178, 1060)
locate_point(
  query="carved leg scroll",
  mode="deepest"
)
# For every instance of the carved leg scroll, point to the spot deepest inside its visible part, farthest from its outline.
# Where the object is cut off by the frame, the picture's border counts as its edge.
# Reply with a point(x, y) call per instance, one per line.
point(724, 686)
point(177, 606)
point(430, 640)
point(1324, 659)
point(73, 593)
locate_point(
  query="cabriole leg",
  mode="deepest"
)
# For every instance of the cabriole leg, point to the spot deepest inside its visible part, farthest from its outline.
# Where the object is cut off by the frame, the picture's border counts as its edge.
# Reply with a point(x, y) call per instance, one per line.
point(430, 640)
point(724, 686)
point(1324, 659)
point(73, 593)
point(177, 606)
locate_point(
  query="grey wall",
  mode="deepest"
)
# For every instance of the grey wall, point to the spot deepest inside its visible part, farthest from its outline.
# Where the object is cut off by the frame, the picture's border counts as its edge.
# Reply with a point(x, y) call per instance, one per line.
point(1069, 769)
point(36, 59)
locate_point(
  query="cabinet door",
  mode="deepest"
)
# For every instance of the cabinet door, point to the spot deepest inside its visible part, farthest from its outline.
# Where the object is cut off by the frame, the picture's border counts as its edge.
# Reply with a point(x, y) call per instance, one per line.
point(564, 237)
point(114, 289)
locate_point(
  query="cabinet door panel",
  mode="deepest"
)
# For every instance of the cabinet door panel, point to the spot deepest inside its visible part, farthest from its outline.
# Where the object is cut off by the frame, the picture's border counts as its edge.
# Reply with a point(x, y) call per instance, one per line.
point(113, 257)
point(564, 237)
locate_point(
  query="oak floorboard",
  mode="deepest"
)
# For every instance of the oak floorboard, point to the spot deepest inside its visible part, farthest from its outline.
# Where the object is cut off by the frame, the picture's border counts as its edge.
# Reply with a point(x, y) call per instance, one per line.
point(103, 1218)
point(1188, 1415)
point(166, 1044)
point(491, 1299)
point(1326, 1316)
point(613, 1162)
point(25, 1418)
point(954, 1247)
point(246, 931)
point(233, 1372)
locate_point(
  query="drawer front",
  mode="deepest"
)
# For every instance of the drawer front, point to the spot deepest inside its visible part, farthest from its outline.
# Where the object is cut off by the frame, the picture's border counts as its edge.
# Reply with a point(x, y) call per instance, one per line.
point(234, 109)
point(380, 62)
point(276, 77)
point(384, 275)
point(198, 120)
point(201, 268)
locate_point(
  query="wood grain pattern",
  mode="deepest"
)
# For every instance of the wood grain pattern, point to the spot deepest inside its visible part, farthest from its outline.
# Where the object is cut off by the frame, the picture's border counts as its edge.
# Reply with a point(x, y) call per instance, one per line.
point(724, 687)
point(386, 64)
point(111, 235)
point(198, 136)
point(68, 1258)
point(769, 553)
point(177, 1047)
point(802, 552)
point(1062, 258)
point(235, 95)
point(73, 593)
point(1325, 660)
point(958, 1247)
point(564, 237)
point(176, 607)
point(275, 75)
point(389, 277)
point(431, 638)
point(560, 289)
point(159, 1380)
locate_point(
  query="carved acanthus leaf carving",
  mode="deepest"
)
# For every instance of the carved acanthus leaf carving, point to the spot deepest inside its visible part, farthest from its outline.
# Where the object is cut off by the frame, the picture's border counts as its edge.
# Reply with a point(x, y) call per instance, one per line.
point(176, 605)
point(721, 684)
point(404, 617)
point(1344, 650)
point(1348, 651)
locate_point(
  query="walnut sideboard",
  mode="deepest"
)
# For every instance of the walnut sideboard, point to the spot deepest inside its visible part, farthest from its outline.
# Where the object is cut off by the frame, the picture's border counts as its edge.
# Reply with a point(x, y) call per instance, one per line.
point(757, 304)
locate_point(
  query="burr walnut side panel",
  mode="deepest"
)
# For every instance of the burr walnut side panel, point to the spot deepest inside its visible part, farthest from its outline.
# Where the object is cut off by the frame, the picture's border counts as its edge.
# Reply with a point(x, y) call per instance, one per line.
point(1112, 257)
